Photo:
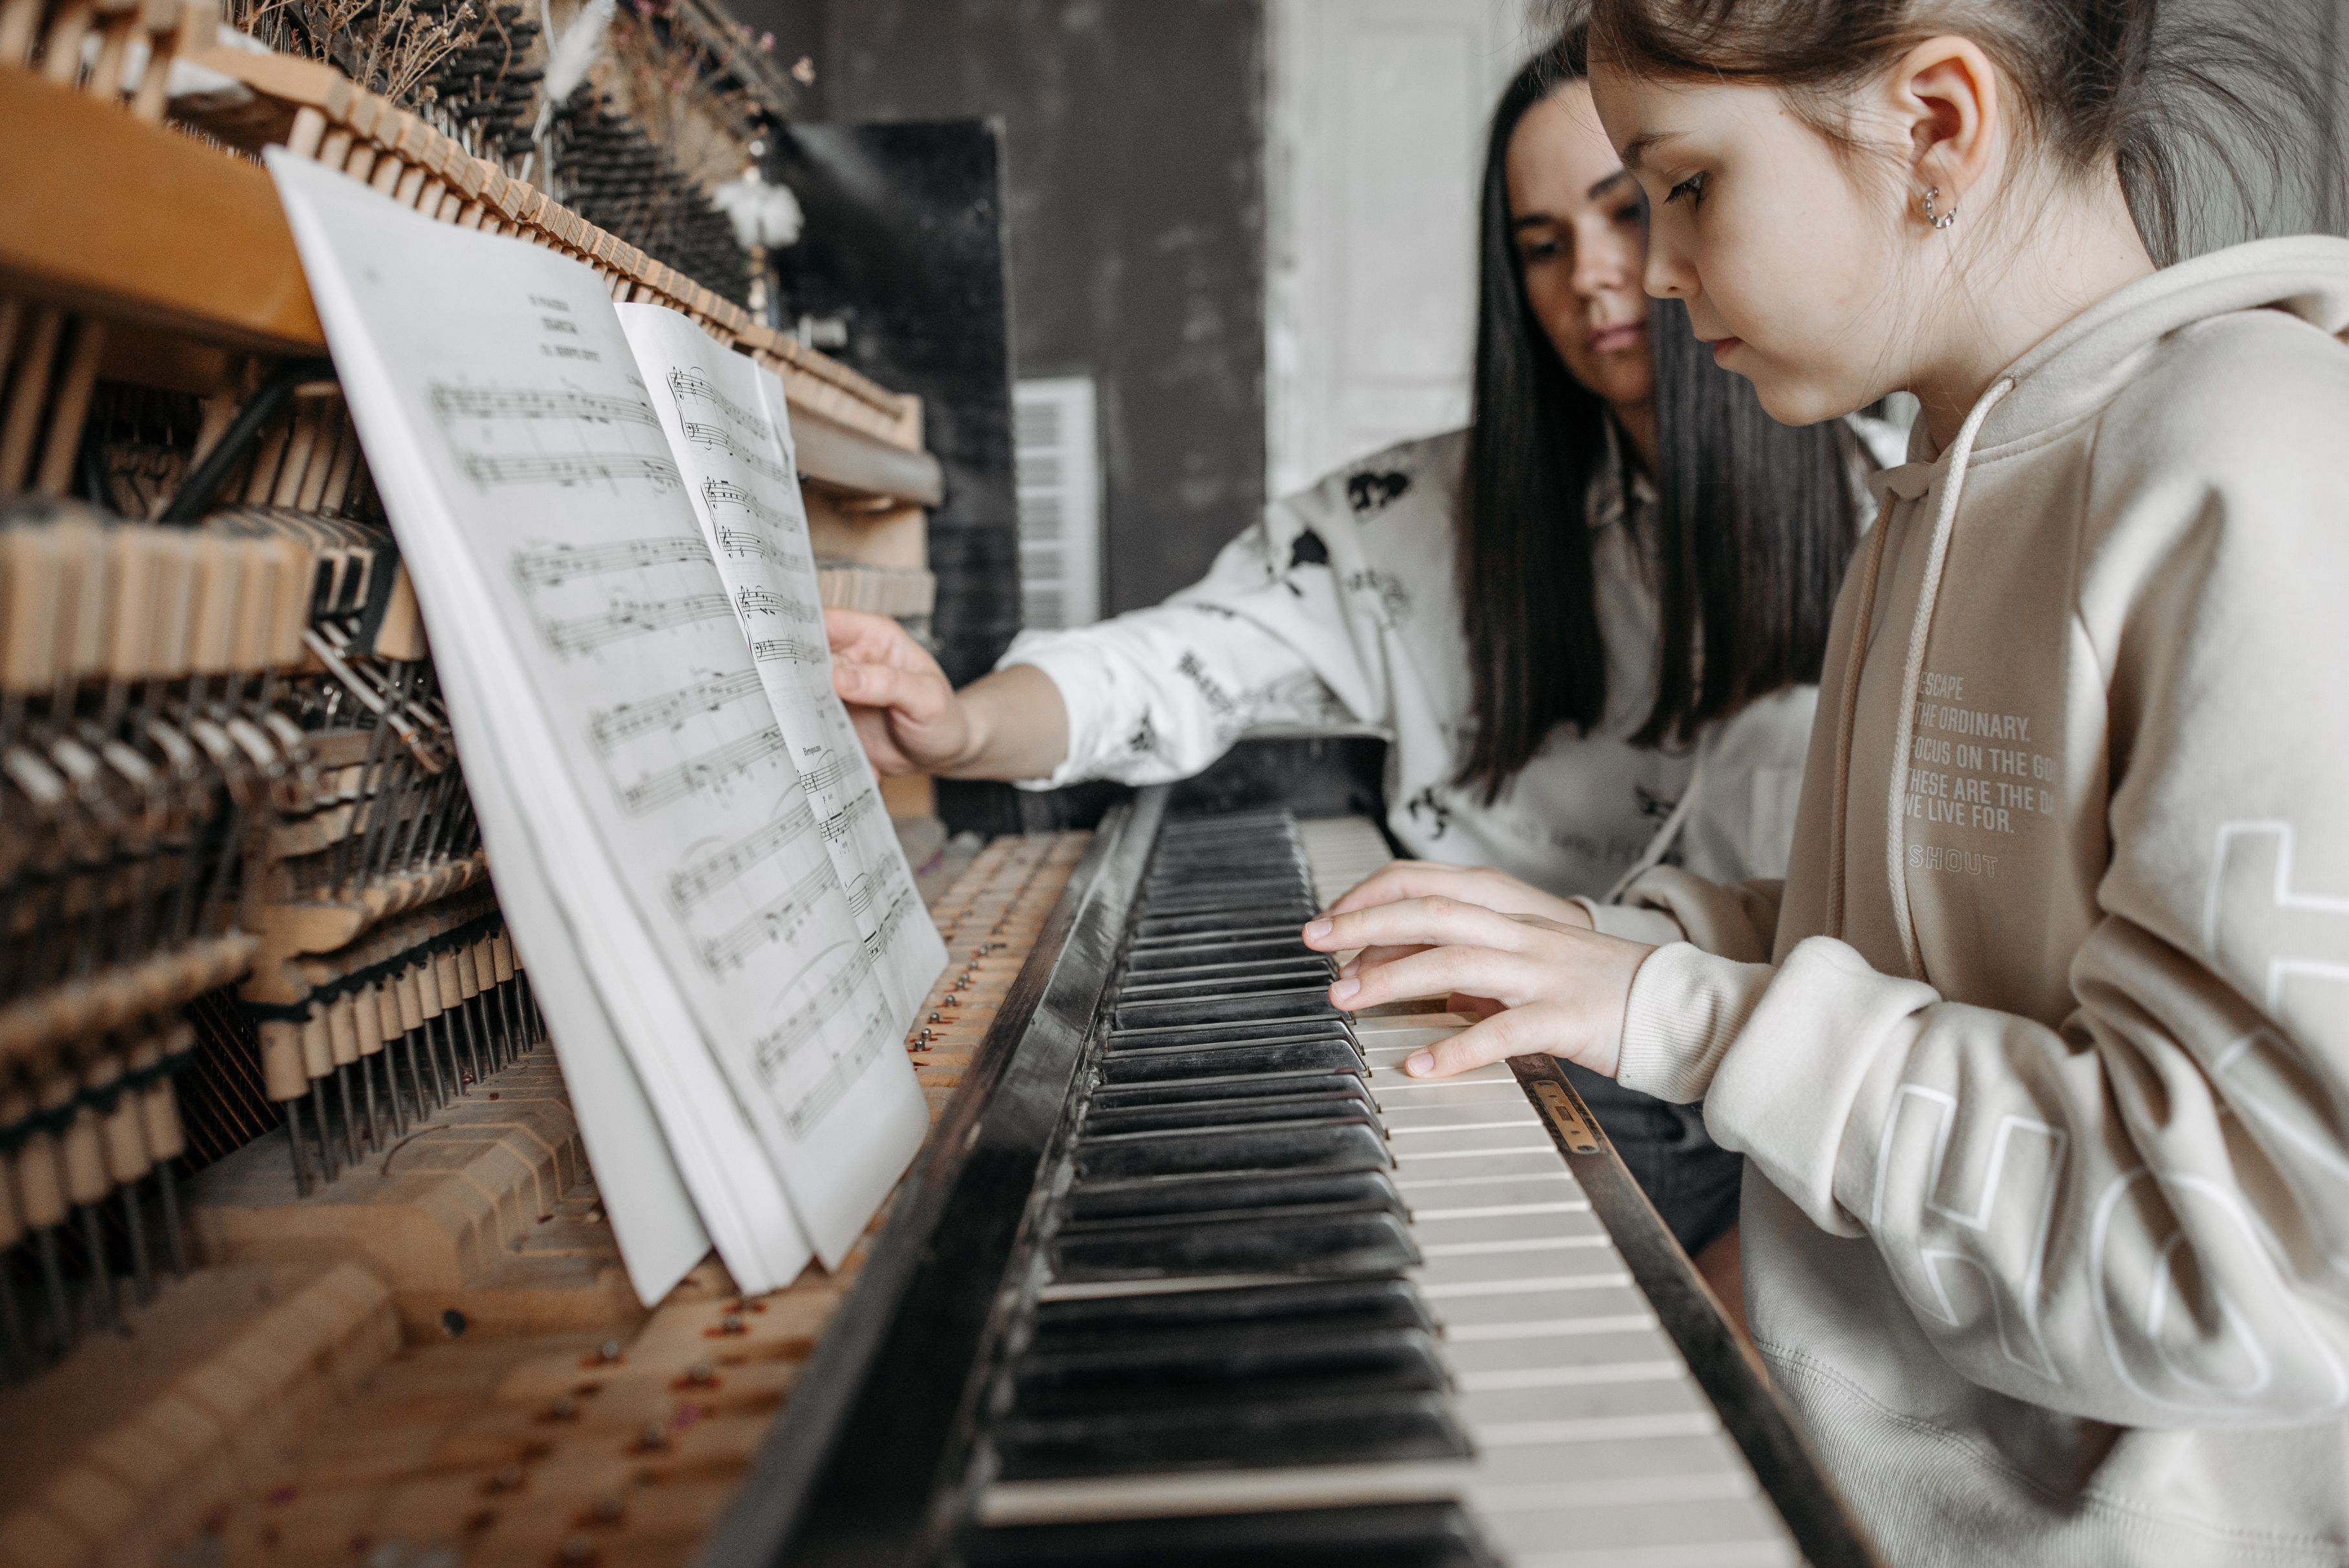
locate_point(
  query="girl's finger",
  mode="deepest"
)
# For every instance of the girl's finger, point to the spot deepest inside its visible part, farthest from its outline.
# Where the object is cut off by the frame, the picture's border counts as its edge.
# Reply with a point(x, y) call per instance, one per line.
point(1439, 972)
point(1371, 958)
point(1396, 881)
point(1518, 1032)
point(1417, 923)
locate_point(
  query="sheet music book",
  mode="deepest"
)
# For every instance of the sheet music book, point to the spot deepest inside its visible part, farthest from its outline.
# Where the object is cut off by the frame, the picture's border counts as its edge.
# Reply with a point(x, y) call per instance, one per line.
point(600, 509)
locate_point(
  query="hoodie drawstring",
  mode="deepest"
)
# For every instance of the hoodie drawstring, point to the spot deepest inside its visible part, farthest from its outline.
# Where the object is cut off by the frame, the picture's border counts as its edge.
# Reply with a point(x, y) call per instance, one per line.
point(1912, 678)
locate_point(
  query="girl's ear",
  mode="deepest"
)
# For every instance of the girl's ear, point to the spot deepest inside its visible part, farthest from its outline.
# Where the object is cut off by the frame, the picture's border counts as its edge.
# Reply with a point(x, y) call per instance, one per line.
point(1945, 97)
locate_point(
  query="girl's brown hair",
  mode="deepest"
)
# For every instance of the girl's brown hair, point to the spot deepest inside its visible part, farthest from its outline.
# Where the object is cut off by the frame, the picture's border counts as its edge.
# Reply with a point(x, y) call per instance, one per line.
point(2099, 83)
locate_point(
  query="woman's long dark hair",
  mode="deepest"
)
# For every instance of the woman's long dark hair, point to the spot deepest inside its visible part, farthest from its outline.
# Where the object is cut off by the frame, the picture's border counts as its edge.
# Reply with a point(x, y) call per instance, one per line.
point(1754, 521)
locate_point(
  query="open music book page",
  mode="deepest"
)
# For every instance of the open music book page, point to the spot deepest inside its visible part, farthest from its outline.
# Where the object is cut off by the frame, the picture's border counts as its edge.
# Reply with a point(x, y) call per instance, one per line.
point(638, 788)
point(851, 995)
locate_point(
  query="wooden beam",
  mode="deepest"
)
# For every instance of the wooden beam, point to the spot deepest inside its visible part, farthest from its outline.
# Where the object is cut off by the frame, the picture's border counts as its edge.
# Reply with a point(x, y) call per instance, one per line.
point(133, 223)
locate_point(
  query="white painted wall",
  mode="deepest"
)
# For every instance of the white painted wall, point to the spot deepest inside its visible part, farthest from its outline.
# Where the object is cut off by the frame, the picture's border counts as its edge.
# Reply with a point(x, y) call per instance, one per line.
point(1374, 144)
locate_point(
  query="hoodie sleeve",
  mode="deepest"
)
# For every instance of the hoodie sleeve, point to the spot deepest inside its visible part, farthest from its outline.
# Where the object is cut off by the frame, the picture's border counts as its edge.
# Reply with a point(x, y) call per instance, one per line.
point(1262, 642)
point(2139, 1215)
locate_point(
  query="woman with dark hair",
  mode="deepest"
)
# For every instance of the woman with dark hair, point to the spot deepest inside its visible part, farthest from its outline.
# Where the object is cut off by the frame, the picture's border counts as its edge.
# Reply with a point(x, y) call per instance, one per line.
point(1607, 596)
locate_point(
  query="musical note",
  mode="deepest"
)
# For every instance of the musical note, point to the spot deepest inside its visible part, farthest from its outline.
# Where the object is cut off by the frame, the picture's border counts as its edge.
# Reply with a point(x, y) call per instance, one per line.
point(551, 566)
point(611, 726)
point(776, 922)
point(841, 823)
point(767, 602)
point(715, 438)
point(453, 403)
point(711, 768)
point(788, 650)
point(697, 879)
point(487, 470)
point(687, 384)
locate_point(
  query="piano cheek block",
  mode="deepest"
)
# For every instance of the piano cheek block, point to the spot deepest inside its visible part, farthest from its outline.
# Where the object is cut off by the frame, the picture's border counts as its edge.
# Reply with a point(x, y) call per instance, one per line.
point(1348, 1145)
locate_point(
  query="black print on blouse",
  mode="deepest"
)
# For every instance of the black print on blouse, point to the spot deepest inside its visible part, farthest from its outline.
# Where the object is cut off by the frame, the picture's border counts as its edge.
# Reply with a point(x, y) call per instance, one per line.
point(1144, 739)
point(1438, 814)
point(1220, 611)
point(1652, 805)
point(1394, 599)
point(1367, 493)
point(1308, 551)
point(1219, 701)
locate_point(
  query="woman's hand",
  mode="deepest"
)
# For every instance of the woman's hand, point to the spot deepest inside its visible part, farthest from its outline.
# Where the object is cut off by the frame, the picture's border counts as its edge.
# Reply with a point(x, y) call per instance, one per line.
point(1494, 890)
point(905, 710)
point(1559, 988)
point(1011, 724)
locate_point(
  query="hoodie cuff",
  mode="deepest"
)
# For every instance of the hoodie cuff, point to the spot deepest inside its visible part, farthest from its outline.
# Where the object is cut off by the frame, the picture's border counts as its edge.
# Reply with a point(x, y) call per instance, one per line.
point(1088, 693)
point(1686, 1010)
point(1632, 923)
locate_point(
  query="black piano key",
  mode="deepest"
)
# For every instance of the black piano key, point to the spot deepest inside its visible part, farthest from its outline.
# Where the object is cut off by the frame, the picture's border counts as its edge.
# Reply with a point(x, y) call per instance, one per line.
point(1249, 1086)
point(1227, 1033)
point(1211, 950)
point(1377, 1535)
point(1119, 1202)
point(1309, 1240)
point(1224, 1112)
point(1353, 1143)
point(1329, 1054)
point(1175, 1371)
point(1332, 1429)
point(1234, 893)
point(1308, 1001)
point(1212, 979)
point(1159, 930)
point(1311, 1306)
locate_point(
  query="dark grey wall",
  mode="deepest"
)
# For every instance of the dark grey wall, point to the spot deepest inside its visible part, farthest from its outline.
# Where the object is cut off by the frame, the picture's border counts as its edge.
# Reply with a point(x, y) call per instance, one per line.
point(1134, 135)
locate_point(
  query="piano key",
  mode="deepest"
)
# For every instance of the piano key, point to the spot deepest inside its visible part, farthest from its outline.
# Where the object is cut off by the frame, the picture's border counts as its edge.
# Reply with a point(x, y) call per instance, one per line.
point(1223, 1192)
point(1348, 1144)
point(1393, 1536)
point(1324, 1055)
point(1317, 1239)
point(1223, 1034)
point(1258, 1086)
point(1387, 1303)
point(1230, 1007)
point(1222, 1112)
point(1168, 1370)
point(1338, 1428)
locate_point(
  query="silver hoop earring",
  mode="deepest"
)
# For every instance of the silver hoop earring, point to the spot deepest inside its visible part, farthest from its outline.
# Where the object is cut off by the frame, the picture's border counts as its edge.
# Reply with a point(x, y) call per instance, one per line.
point(1938, 220)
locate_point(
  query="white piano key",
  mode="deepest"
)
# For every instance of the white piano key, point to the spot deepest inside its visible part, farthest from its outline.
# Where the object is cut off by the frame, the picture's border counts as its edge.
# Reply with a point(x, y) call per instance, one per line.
point(1638, 1400)
point(1570, 1218)
point(1637, 1534)
point(1632, 1343)
point(1525, 1306)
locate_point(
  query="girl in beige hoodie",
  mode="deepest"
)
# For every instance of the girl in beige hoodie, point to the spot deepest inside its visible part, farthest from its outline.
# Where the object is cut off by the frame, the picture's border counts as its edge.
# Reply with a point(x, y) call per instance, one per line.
point(2041, 1054)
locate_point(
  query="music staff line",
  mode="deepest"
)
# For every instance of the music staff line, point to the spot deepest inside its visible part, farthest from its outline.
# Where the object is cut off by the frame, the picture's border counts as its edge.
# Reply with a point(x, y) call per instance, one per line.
point(628, 618)
point(774, 922)
point(717, 439)
point(552, 565)
point(697, 879)
point(614, 726)
point(704, 771)
point(489, 471)
point(453, 403)
point(683, 384)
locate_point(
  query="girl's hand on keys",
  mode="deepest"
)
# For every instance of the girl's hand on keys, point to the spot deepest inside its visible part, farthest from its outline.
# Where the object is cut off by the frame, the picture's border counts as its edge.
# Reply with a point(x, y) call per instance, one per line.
point(1494, 889)
point(1559, 988)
